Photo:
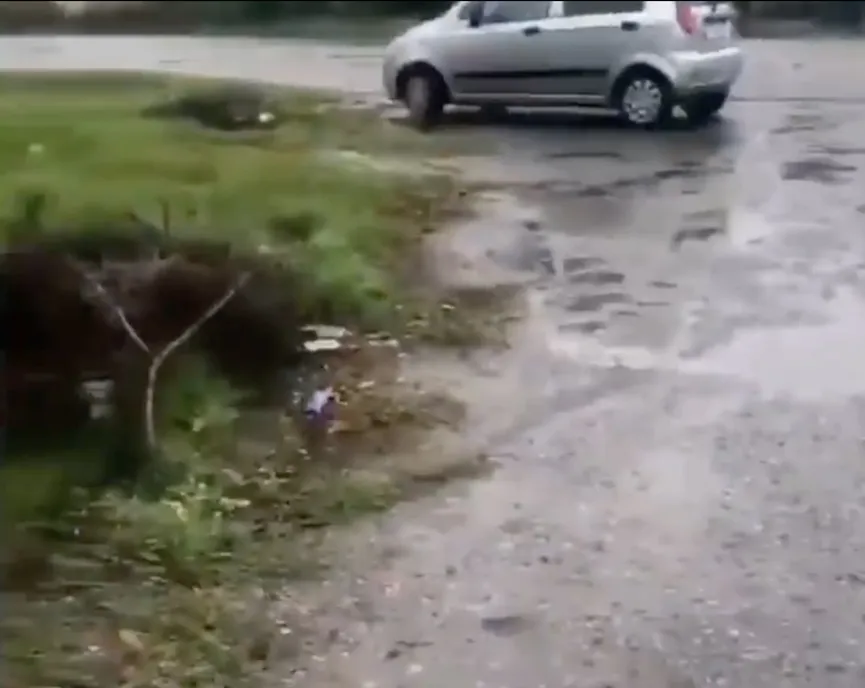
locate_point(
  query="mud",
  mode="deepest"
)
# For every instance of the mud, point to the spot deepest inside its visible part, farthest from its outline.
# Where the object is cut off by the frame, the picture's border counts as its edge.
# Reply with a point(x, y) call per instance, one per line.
point(677, 500)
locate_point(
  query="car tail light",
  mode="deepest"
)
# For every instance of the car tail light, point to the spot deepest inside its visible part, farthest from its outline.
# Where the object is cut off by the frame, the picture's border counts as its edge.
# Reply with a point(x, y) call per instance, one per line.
point(687, 18)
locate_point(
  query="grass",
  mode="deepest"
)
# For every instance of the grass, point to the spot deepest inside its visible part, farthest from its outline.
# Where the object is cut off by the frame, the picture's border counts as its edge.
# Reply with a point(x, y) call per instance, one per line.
point(82, 142)
point(351, 230)
point(155, 585)
point(174, 591)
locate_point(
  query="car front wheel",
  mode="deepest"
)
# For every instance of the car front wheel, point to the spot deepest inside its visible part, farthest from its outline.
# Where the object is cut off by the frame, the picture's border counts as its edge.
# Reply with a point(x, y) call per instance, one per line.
point(424, 100)
point(645, 100)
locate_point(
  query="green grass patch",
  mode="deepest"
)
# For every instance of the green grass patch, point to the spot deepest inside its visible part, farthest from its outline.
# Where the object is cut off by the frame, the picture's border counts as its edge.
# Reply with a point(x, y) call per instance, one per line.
point(82, 142)
point(168, 575)
point(351, 230)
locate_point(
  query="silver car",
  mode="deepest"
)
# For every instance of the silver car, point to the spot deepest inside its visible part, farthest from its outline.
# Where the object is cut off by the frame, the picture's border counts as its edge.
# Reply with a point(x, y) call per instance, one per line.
point(641, 59)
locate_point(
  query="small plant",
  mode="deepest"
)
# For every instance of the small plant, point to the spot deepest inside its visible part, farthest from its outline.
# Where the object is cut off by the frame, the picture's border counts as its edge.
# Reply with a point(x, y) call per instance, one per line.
point(188, 526)
point(185, 531)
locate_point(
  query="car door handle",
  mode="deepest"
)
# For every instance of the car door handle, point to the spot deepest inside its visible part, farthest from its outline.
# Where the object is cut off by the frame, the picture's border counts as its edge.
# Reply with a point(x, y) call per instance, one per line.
point(531, 30)
point(628, 25)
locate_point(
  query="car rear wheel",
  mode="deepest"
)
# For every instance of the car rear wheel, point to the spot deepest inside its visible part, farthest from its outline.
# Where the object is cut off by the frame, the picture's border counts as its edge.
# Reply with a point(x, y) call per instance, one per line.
point(424, 99)
point(702, 108)
point(645, 99)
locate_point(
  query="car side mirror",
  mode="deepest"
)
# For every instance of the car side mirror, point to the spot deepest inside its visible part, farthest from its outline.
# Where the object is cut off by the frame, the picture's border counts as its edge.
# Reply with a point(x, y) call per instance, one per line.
point(476, 14)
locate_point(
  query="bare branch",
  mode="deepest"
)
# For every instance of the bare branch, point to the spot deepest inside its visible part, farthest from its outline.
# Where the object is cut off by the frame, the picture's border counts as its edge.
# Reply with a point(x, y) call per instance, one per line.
point(111, 304)
point(171, 347)
point(217, 306)
point(159, 358)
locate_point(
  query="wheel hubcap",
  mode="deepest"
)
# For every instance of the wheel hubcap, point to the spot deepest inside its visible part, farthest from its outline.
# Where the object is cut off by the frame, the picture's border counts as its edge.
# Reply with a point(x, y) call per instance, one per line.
point(642, 101)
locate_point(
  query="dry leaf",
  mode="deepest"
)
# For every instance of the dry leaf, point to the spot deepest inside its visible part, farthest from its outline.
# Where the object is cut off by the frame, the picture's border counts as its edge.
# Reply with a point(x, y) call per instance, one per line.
point(130, 640)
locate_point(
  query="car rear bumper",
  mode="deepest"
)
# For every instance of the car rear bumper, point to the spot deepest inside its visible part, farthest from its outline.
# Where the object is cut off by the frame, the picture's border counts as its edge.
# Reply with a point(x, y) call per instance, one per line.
point(718, 70)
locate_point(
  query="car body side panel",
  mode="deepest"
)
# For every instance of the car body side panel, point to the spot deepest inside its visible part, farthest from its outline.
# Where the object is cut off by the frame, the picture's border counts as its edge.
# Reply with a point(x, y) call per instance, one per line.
point(495, 59)
point(574, 60)
point(578, 56)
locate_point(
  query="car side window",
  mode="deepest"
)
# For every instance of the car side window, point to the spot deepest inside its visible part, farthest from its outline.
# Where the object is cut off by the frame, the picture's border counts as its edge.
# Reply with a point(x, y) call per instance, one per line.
point(507, 11)
point(580, 8)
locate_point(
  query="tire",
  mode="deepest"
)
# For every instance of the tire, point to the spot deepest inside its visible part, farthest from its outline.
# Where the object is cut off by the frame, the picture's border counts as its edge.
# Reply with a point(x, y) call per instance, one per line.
point(424, 99)
point(702, 108)
point(644, 99)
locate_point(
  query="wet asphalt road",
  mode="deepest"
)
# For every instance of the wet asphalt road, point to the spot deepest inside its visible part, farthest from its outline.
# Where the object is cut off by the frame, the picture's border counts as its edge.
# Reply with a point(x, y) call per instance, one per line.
point(678, 430)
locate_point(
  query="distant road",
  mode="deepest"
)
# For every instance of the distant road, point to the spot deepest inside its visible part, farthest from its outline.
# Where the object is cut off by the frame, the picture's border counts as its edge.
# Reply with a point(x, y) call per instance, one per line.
point(812, 72)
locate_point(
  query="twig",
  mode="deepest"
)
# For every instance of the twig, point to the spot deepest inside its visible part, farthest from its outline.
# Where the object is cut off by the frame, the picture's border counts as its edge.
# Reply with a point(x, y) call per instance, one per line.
point(106, 299)
point(159, 358)
point(171, 347)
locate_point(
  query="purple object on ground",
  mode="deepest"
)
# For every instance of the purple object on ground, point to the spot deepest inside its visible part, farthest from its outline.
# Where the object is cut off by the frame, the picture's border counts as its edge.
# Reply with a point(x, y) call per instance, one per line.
point(320, 406)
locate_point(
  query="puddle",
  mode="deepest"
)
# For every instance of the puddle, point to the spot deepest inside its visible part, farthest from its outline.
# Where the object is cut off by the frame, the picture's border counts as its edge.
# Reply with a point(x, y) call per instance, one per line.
point(578, 341)
point(695, 234)
point(841, 150)
point(591, 353)
point(595, 302)
point(811, 362)
point(806, 122)
point(807, 361)
point(598, 278)
point(748, 227)
point(578, 263)
point(599, 316)
point(758, 182)
point(588, 214)
point(507, 626)
point(821, 170)
point(686, 172)
point(589, 327)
